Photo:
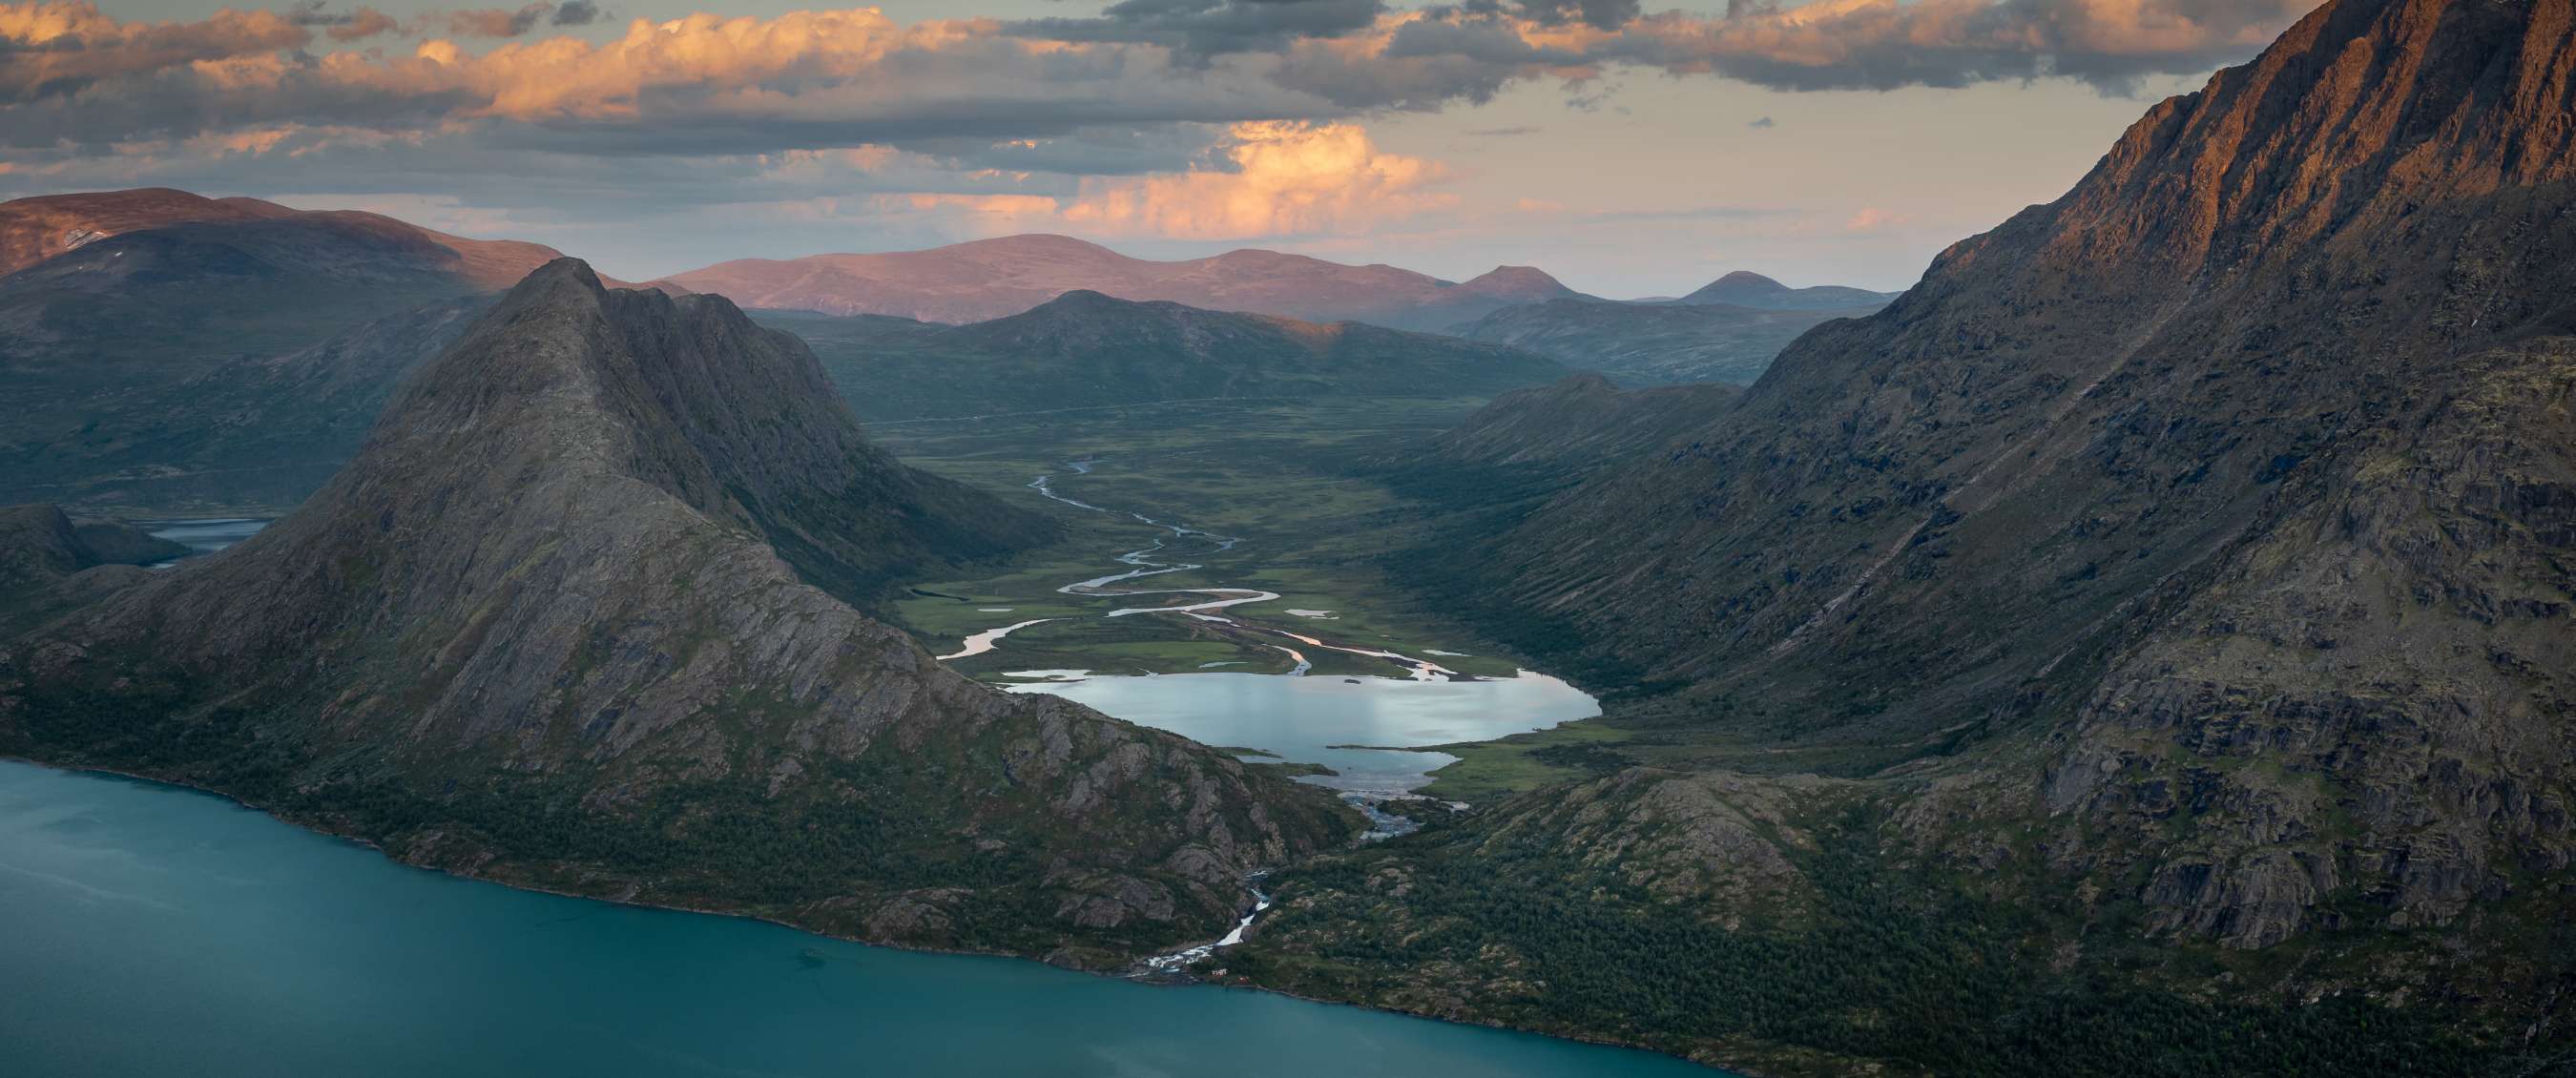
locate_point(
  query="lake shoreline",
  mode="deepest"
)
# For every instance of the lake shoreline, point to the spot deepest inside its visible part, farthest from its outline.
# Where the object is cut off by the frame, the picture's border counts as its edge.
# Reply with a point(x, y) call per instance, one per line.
point(1125, 972)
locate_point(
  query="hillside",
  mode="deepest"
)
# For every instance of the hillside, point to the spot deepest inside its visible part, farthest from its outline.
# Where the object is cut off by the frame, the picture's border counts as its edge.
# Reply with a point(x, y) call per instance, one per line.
point(1655, 344)
point(1087, 350)
point(110, 345)
point(578, 617)
point(988, 279)
point(1746, 289)
point(2143, 647)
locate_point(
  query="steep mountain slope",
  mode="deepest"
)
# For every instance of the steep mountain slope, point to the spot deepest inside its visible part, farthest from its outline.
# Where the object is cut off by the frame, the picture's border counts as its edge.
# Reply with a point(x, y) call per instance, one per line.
point(1084, 349)
point(1746, 289)
point(988, 279)
point(1654, 344)
point(2180, 580)
point(1582, 421)
point(577, 617)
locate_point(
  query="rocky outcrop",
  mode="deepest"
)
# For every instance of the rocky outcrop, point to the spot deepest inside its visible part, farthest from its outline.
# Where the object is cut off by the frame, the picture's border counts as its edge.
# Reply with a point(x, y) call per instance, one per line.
point(579, 616)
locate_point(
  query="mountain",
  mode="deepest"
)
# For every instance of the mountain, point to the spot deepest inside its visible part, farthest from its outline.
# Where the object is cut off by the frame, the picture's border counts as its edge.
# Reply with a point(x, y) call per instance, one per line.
point(1743, 289)
point(2142, 647)
point(1084, 349)
point(38, 228)
point(1654, 344)
point(39, 544)
point(1581, 421)
point(131, 318)
point(987, 279)
point(579, 617)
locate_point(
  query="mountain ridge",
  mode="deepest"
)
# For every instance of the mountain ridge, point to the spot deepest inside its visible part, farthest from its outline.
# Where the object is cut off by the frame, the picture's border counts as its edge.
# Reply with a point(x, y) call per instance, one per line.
point(2178, 574)
point(980, 280)
point(579, 617)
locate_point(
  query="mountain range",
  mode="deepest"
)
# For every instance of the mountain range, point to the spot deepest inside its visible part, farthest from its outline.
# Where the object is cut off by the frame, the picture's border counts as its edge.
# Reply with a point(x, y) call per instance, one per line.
point(580, 616)
point(1086, 350)
point(987, 279)
point(2153, 627)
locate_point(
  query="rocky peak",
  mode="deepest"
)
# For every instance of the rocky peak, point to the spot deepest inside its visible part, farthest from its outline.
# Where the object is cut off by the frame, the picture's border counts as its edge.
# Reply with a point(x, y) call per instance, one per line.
point(593, 563)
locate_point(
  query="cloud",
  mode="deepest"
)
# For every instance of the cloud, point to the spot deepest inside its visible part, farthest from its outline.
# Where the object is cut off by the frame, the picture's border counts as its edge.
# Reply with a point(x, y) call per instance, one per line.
point(495, 22)
point(1202, 28)
point(1887, 44)
point(1175, 115)
point(1872, 219)
point(51, 50)
point(1281, 179)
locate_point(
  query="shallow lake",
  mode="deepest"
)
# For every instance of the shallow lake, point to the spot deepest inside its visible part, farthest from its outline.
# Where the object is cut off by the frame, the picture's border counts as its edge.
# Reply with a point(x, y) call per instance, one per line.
point(153, 930)
point(1303, 718)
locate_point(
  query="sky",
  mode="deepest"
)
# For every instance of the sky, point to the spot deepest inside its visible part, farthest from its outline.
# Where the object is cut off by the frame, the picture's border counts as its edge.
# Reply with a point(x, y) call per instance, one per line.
point(1629, 148)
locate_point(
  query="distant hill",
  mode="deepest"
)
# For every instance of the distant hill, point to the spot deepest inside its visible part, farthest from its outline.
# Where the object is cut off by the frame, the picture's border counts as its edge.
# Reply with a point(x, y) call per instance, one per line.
point(1655, 344)
point(1743, 289)
point(1085, 349)
point(120, 307)
point(45, 226)
point(988, 279)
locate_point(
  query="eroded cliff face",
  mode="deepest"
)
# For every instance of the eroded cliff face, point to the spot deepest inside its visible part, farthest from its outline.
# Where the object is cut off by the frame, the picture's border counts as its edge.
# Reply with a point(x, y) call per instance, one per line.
point(579, 615)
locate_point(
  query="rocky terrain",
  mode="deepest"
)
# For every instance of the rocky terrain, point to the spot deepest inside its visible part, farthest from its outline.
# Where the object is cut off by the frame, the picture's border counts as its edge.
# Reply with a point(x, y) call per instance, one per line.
point(1085, 350)
point(1645, 344)
point(2172, 591)
point(580, 616)
point(989, 279)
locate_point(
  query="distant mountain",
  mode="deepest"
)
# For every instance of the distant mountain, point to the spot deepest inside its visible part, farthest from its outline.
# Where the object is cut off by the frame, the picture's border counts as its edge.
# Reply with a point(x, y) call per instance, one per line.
point(1084, 349)
point(1655, 344)
point(2143, 647)
point(39, 544)
point(111, 338)
point(1743, 289)
point(579, 617)
point(987, 279)
point(45, 226)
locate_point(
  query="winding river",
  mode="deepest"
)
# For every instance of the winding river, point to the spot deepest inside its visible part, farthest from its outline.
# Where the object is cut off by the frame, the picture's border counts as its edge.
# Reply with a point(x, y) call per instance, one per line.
point(1358, 727)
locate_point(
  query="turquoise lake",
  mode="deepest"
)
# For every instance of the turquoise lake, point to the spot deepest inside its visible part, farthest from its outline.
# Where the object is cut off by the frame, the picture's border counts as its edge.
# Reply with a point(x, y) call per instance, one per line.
point(158, 931)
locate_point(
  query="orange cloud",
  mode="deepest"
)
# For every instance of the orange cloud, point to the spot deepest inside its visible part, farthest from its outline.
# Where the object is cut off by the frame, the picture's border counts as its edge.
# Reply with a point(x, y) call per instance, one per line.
point(58, 48)
point(1288, 179)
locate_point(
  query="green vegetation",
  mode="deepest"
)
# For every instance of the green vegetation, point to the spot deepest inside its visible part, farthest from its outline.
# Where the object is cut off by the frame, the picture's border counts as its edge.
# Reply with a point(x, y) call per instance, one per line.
point(1286, 477)
point(1880, 966)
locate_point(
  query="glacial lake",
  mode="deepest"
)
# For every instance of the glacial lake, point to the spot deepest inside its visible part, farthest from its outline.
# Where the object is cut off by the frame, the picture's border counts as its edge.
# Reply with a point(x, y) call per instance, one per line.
point(155, 930)
point(1304, 718)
